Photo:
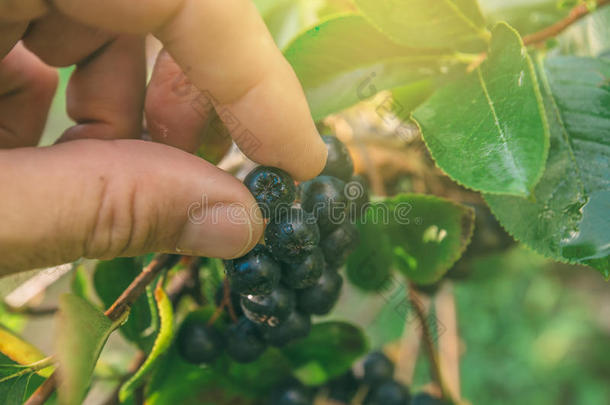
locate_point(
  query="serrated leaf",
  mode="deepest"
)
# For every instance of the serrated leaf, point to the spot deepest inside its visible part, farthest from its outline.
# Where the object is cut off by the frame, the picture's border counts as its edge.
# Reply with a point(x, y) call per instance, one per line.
point(422, 236)
point(110, 279)
point(456, 24)
point(589, 37)
point(488, 131)
point(162, 343)
point(344, 60)
point(329, 351)
point(567, 219)
point(82, 331)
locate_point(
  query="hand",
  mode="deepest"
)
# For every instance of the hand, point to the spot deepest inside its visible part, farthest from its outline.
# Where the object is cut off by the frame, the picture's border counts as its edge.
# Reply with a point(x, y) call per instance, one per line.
point(101, 192)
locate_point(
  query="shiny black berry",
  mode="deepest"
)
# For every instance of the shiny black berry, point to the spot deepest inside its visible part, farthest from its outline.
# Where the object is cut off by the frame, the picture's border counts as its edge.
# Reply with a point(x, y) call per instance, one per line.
point(305, 273)
point(388, 393)
point(423, 398)
point(235, 299)
point(270, 310)
point(323, 296)
point(296, 326)
point(244, 344)
point(325, 198)
point(197, 342)
point(357, 192)
point(292, 236)
point(339, 244)
point(377, 368)
point(339, 162)
point(272, 188)
point(342, 389)
point(255, 273)
point(291, 392)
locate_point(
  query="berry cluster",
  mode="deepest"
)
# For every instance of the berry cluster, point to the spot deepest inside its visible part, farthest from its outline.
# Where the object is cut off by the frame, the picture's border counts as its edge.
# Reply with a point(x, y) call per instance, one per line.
point(376, 384)
point(276, 287)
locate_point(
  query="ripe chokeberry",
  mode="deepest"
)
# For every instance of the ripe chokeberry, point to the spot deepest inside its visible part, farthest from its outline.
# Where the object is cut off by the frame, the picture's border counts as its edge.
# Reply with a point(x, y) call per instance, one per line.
point(389, 392)
point(325, 198)
point(339, 162)
point(197, 342)
point(296, 326)
point(377, 368)
point(255, 273)
point(305, 273)
point(344, 387)
point(339, 244)
point(291, 393)
point(323, 296)
point(272, 188)
point(423, 398)
point(244, 344)
point(270, 310)
point(292, 236)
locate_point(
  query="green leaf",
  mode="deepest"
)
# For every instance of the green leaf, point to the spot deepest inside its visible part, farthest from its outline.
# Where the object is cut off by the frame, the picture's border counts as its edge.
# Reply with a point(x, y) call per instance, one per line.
point(162, 343)
point(456, 24)
point(370, 266)
point(567, 218)
point(488, 131)
point(82, 331)
point(422, 236)
point(344, 60)
point(20, 351)
point(328, 351)
point(110, 279)
point(79, 283)
point(16, 390)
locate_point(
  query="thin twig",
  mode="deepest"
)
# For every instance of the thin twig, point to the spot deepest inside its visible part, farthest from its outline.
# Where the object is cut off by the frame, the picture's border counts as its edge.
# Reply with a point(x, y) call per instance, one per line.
point(576, 14)
point(449, 341)
point(429, 345)
point(114, 313)
point(187, 283)
point(227, 299)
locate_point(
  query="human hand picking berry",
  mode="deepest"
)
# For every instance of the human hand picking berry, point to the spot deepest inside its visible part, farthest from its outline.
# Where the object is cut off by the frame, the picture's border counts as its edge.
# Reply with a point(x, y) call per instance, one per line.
point(101, 192)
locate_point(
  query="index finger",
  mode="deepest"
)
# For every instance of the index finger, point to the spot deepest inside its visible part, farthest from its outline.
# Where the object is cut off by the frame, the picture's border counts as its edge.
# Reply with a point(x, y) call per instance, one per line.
point(228, 54)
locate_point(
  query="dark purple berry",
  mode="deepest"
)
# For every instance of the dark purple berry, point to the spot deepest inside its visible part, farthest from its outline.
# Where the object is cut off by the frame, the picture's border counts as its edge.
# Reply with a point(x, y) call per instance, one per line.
point(339, 244)
point(291, 392)
point(339, 162)
point(244, 344)
point(197, 342)
point(377, 368)
point(323, 296)
point(296, 326)
point(325, 198)
point(270, 310)
point(388, 393)
point(272, 188)
point(292, 236)
point(305, 273)
point(255, 273)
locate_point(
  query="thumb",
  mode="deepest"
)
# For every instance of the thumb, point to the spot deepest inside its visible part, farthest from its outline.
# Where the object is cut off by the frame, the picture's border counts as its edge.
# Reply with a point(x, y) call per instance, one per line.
point(102, 199)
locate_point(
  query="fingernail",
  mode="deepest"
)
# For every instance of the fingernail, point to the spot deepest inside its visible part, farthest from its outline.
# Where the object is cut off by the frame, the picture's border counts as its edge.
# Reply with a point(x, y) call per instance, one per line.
point(221, 230)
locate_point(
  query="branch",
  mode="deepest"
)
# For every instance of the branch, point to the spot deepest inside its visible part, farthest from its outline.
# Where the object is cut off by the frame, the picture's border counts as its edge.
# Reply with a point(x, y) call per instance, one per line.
point(116, 310)
point(576, 14)
point(429, 345)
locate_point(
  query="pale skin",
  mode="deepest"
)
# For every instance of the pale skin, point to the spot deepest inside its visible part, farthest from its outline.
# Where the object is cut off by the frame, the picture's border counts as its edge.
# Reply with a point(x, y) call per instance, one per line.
point(101, 192)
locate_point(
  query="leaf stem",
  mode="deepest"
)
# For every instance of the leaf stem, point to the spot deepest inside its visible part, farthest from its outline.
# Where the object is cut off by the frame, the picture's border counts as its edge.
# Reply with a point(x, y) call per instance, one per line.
point(31, 368)
point(429, 344)
point(576, 14)
point(117, 311)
